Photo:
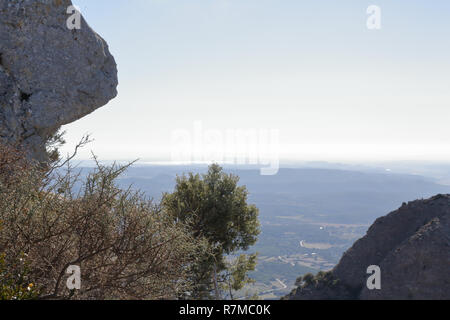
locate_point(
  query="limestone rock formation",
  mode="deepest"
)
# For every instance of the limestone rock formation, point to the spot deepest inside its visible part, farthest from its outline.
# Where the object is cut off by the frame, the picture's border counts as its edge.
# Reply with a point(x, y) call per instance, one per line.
point(412, 248)
point(49, 75)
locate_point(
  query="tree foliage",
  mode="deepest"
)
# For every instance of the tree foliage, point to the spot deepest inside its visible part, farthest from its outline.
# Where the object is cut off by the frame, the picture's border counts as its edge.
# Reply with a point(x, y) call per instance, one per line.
point(236, 276)
point(322, 278)
point(216, 209)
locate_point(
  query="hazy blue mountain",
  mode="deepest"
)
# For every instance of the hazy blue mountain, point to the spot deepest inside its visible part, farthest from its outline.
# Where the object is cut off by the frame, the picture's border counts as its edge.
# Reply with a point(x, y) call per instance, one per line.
point(339, 195)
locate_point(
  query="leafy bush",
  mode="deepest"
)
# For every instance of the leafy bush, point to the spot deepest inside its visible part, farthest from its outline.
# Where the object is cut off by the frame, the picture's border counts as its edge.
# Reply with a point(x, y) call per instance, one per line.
point(321, 279)
point(14, 280)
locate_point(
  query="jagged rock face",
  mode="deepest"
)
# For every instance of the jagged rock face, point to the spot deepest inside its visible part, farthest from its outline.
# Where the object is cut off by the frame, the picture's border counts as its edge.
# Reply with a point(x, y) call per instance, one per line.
point(49, 75)
point(419, 268)
point(412, 248)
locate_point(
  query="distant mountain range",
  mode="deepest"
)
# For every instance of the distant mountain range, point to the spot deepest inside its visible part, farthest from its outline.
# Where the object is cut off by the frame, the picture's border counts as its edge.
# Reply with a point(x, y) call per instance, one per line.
point(338, 195)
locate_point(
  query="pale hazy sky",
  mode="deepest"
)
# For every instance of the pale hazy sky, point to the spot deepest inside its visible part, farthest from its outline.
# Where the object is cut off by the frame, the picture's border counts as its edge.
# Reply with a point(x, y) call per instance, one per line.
point(310, 69)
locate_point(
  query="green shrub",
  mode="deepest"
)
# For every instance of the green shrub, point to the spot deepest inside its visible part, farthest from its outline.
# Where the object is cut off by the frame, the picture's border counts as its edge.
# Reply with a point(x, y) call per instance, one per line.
point(321, 279)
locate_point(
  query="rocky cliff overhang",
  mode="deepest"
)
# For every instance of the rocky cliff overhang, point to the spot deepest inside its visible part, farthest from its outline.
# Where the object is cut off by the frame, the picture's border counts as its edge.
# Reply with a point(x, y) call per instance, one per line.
point(50, 74)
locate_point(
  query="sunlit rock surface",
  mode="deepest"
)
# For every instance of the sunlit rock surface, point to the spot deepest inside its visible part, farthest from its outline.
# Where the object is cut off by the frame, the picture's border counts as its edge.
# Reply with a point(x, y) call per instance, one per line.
point(49, 75)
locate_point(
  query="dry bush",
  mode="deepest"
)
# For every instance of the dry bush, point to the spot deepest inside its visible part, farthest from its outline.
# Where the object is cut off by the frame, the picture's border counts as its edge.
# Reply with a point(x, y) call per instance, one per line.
point(13, 164)
point(125, 245)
